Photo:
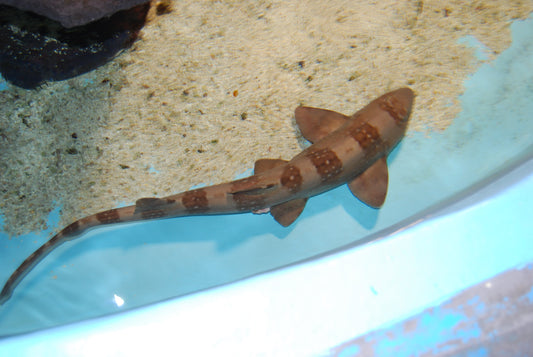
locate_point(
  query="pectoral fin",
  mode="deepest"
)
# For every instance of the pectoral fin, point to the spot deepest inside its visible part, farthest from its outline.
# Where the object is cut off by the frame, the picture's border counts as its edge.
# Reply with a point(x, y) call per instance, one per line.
point(287, 212)
point(371, 186)
point(315, 123)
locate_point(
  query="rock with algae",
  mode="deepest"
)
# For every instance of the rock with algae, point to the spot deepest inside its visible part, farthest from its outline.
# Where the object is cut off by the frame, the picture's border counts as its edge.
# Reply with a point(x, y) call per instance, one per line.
point(71, 13)
point(35, 49)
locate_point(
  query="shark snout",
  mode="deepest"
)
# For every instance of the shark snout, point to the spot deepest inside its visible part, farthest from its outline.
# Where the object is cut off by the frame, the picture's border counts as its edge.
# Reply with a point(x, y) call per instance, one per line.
point(405, 97)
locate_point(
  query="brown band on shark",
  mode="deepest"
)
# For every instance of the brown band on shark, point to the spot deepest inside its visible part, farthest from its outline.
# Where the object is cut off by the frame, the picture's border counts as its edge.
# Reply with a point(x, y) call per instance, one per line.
point(153, 214)
point(109, 216)
point(291, 178)
point(152, 207)
point(326, 162)
point(71, 228)
point(367, 136)
point(395, 109)
point(43, 247)
point(248, 202)
point(54, 240)
point(195, 200)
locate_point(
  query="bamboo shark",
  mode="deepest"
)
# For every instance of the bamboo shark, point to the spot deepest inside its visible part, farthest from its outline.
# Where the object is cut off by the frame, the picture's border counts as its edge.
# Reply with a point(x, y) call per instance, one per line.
point(345, 149)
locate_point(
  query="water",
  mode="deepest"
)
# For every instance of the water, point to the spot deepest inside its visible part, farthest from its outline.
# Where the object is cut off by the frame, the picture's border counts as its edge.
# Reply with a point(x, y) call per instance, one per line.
point(121, 267)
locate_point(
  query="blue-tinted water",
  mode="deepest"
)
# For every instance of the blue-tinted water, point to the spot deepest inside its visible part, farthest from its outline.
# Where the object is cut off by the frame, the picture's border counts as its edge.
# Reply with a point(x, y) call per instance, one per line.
point(146, 262)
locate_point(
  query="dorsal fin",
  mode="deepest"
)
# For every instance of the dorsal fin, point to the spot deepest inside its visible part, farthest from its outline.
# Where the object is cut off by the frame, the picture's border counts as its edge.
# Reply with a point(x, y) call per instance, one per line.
point(287, 212)
point(371, 186)
point(315, 123)
point(263, 165)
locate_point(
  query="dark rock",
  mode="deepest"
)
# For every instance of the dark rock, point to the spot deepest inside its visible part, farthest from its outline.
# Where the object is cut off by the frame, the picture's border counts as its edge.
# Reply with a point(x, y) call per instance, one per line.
point(72, 13)
point(34, 49)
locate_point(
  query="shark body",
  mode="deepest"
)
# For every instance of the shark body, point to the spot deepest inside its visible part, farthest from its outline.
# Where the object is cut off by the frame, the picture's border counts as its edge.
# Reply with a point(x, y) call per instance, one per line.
point(346, 149)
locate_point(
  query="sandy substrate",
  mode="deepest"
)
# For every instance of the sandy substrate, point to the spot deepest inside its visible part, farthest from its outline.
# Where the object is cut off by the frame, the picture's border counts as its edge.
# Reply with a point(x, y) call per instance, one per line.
point(212, 86)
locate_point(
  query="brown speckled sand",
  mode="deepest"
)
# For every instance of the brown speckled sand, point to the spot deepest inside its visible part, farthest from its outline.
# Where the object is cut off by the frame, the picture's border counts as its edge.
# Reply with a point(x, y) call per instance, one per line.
point(212, 86)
